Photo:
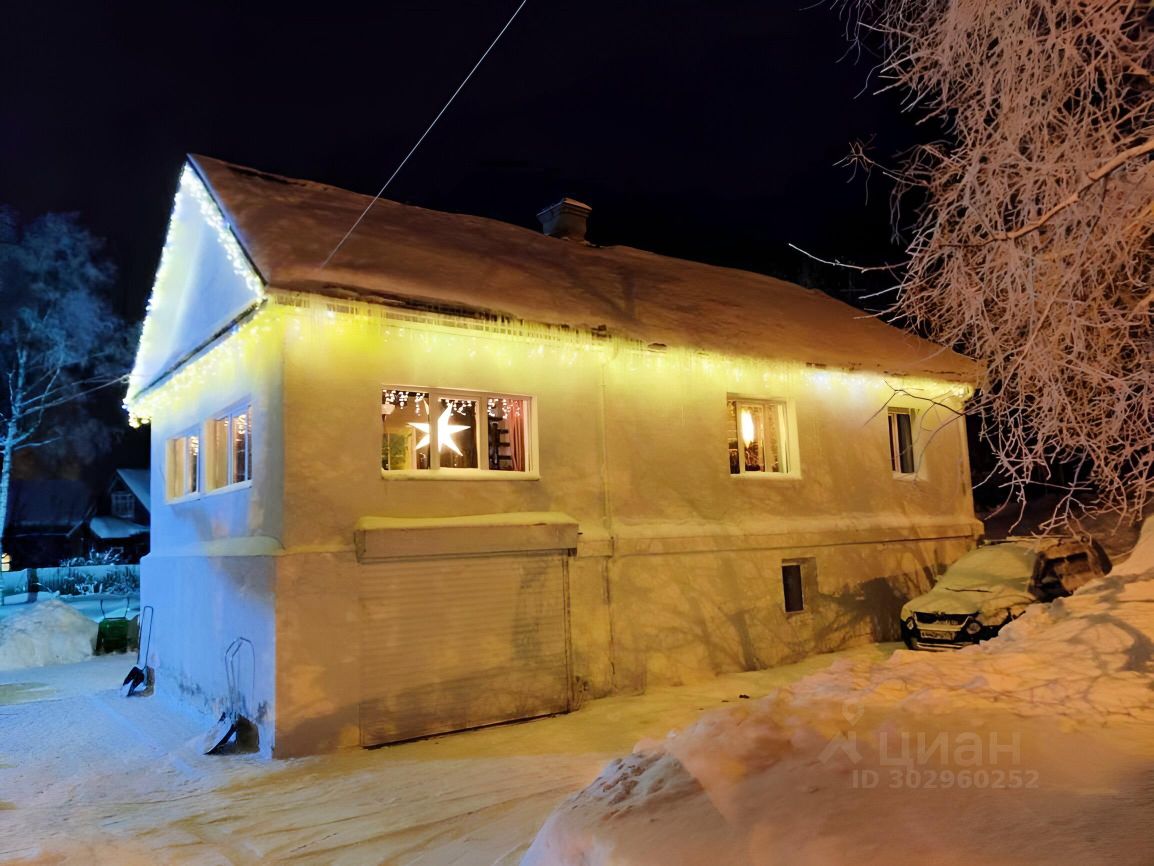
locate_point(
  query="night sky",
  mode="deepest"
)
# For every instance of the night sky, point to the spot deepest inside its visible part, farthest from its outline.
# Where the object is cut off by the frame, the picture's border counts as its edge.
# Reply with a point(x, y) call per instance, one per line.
point(705, 130)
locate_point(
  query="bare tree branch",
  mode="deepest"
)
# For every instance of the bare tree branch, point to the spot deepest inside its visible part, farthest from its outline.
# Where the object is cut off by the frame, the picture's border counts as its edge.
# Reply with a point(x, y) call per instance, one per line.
point(1032, 243)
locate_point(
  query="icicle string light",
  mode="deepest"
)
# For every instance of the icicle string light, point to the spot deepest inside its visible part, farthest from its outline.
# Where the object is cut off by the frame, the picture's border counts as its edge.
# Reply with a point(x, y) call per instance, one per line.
point(294, 316)
point(190, 188)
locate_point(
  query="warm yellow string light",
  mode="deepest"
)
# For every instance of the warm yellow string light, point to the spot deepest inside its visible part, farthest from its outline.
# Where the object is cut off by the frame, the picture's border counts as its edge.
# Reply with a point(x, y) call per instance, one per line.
point(510, 344)
point(190, 188)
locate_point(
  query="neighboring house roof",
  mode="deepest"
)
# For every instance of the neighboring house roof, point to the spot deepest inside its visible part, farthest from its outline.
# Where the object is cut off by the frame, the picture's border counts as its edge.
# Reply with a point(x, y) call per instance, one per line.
point(47, 505)
point(401, 254)
point(107, 527)
point(137, 480)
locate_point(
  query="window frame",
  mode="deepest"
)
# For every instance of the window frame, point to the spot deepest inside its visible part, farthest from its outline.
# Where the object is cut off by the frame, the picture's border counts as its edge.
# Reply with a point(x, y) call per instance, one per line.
point(181, 490)
point(481, 471)
point(228, 415)
point(806, 584)
point(898, 453)
point(122, 504)
point(786, 435)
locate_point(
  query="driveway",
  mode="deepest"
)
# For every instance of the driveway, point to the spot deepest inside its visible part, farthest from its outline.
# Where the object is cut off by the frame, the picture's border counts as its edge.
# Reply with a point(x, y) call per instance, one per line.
point(89, 777)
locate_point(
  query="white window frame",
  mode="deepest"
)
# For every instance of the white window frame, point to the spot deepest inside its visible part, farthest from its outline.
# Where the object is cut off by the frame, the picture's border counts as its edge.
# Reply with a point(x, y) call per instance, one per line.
point(480, 472)
point(780, 412)
point(897, 447)
point(123, 504)
point(229, 418)
point(179, 483)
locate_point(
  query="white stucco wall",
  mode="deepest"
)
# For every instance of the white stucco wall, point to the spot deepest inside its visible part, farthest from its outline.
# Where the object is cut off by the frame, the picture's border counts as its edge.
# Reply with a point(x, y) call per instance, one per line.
point(211, 572)
point(626, 446)
point(677, 573)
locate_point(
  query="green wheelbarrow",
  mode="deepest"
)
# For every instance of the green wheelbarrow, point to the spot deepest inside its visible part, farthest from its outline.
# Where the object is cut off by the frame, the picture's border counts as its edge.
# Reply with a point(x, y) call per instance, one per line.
point(116, 634)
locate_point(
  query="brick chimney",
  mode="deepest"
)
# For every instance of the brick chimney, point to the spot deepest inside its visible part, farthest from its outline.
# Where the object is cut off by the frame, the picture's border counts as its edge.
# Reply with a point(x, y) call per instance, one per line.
point(566, 219)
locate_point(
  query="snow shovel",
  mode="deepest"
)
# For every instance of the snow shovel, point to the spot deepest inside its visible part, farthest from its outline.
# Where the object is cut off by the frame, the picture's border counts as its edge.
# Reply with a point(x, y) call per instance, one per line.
point(234, 732)
point(141, 674)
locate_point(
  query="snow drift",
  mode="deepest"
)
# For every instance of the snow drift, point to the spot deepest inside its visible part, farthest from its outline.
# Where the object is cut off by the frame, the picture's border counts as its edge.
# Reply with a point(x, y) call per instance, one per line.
point(47, 633)
point(1032, 747)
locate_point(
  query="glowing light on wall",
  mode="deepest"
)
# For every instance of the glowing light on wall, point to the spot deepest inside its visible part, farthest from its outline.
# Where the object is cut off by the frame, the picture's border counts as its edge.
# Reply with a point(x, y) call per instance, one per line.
point(299, 317)
point(234, 356)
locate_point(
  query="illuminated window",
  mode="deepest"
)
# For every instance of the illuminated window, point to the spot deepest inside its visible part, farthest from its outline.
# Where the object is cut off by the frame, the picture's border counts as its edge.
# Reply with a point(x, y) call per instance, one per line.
point(902, 441)
point(759, 438)
point(439, 429)
point(123, 505)
point(182, 466)
point(230, 448)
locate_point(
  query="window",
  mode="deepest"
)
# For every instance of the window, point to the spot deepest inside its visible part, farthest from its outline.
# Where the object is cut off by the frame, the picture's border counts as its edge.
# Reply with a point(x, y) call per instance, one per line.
point(123, 504)
point(182, 466)
point(438, 429)
point(902, 441)
point(758, 437)
point(230, 448)
point(792, 574)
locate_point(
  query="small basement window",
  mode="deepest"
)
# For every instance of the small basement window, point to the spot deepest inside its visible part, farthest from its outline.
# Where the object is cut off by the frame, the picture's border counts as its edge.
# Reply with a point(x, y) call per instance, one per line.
point(440, 429)
point(182, 466)
point(758, 437)
point(230, 448)
point(791, 586)
point(902, 441)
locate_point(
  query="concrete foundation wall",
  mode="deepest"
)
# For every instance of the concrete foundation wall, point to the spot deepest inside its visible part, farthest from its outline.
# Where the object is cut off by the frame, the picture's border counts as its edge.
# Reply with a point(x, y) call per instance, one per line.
point(636, 621)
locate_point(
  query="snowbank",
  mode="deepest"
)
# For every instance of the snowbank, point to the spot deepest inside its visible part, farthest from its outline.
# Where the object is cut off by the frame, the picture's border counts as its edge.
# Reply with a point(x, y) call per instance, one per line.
point(1036, 737)
point(47, 633)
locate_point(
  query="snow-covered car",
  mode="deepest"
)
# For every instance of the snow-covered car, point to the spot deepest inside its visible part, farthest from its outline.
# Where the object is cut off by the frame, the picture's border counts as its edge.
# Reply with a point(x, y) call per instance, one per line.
point(994, 584)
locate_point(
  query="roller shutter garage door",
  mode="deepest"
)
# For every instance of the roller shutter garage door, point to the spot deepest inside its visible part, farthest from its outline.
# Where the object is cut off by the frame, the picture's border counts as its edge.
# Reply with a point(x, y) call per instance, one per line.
point(458, 642)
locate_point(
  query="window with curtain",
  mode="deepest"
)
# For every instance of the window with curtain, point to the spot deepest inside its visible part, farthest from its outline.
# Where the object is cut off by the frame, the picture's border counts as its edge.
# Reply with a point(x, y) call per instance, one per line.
point(759, 437)
point(230, 448)
point(438, 429)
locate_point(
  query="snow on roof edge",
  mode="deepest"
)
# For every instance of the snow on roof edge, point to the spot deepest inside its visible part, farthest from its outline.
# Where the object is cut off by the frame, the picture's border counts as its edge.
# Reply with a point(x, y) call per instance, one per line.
point(410, 255)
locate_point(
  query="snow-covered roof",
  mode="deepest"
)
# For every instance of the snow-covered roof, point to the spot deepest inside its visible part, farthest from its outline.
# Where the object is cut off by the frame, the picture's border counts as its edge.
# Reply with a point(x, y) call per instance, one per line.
point(410, 255)
point(47, 505)
point(108, 527)
point(137, 480)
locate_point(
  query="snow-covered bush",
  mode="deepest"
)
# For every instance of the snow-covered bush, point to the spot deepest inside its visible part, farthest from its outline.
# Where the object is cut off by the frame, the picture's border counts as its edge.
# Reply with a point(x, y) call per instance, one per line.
point(99, 571)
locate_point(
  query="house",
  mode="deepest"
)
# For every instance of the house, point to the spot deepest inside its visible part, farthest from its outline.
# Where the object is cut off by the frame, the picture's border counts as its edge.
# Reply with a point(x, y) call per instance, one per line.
point(121, 516)
point(465, 473)
point(46, 522)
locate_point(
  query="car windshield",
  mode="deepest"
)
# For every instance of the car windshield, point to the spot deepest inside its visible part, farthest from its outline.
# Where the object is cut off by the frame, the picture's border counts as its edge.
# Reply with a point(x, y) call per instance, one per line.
point(998, 564)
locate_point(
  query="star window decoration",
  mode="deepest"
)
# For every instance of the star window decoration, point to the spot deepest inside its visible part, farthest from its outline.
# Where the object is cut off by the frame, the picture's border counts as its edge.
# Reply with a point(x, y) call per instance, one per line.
point(445, 432)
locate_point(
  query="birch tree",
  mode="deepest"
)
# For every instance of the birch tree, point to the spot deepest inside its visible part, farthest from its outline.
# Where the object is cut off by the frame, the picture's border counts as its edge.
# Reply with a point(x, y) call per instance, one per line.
point(59, 340)
point(1030, 223)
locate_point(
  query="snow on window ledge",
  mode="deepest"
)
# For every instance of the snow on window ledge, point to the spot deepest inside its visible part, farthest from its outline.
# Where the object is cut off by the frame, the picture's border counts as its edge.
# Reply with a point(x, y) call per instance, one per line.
point(456, 475)
point(229, 488)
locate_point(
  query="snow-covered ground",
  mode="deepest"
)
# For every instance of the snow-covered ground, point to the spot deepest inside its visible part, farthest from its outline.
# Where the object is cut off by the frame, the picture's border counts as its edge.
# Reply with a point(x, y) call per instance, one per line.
point(88, 777)
point(1037, 747)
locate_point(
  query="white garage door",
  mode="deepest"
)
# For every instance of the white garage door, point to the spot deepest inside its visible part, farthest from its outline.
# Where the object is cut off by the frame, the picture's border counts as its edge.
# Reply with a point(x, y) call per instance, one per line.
point(454, 643)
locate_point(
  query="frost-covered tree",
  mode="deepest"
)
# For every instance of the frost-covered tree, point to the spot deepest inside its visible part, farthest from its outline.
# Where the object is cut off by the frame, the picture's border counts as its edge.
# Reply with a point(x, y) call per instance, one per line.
point(59, 339)
point(1030, 230)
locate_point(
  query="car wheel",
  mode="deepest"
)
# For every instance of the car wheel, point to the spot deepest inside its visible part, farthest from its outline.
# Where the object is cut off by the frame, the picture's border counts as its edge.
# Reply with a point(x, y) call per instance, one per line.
point(908, 637)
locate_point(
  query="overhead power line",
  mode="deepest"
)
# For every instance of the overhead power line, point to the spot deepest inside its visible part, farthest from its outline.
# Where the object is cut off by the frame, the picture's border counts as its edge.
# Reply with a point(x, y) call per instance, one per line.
point(444, 108)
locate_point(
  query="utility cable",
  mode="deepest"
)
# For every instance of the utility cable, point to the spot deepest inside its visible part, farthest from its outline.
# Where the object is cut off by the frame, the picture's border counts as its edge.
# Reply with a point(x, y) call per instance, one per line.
point(444, 108)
